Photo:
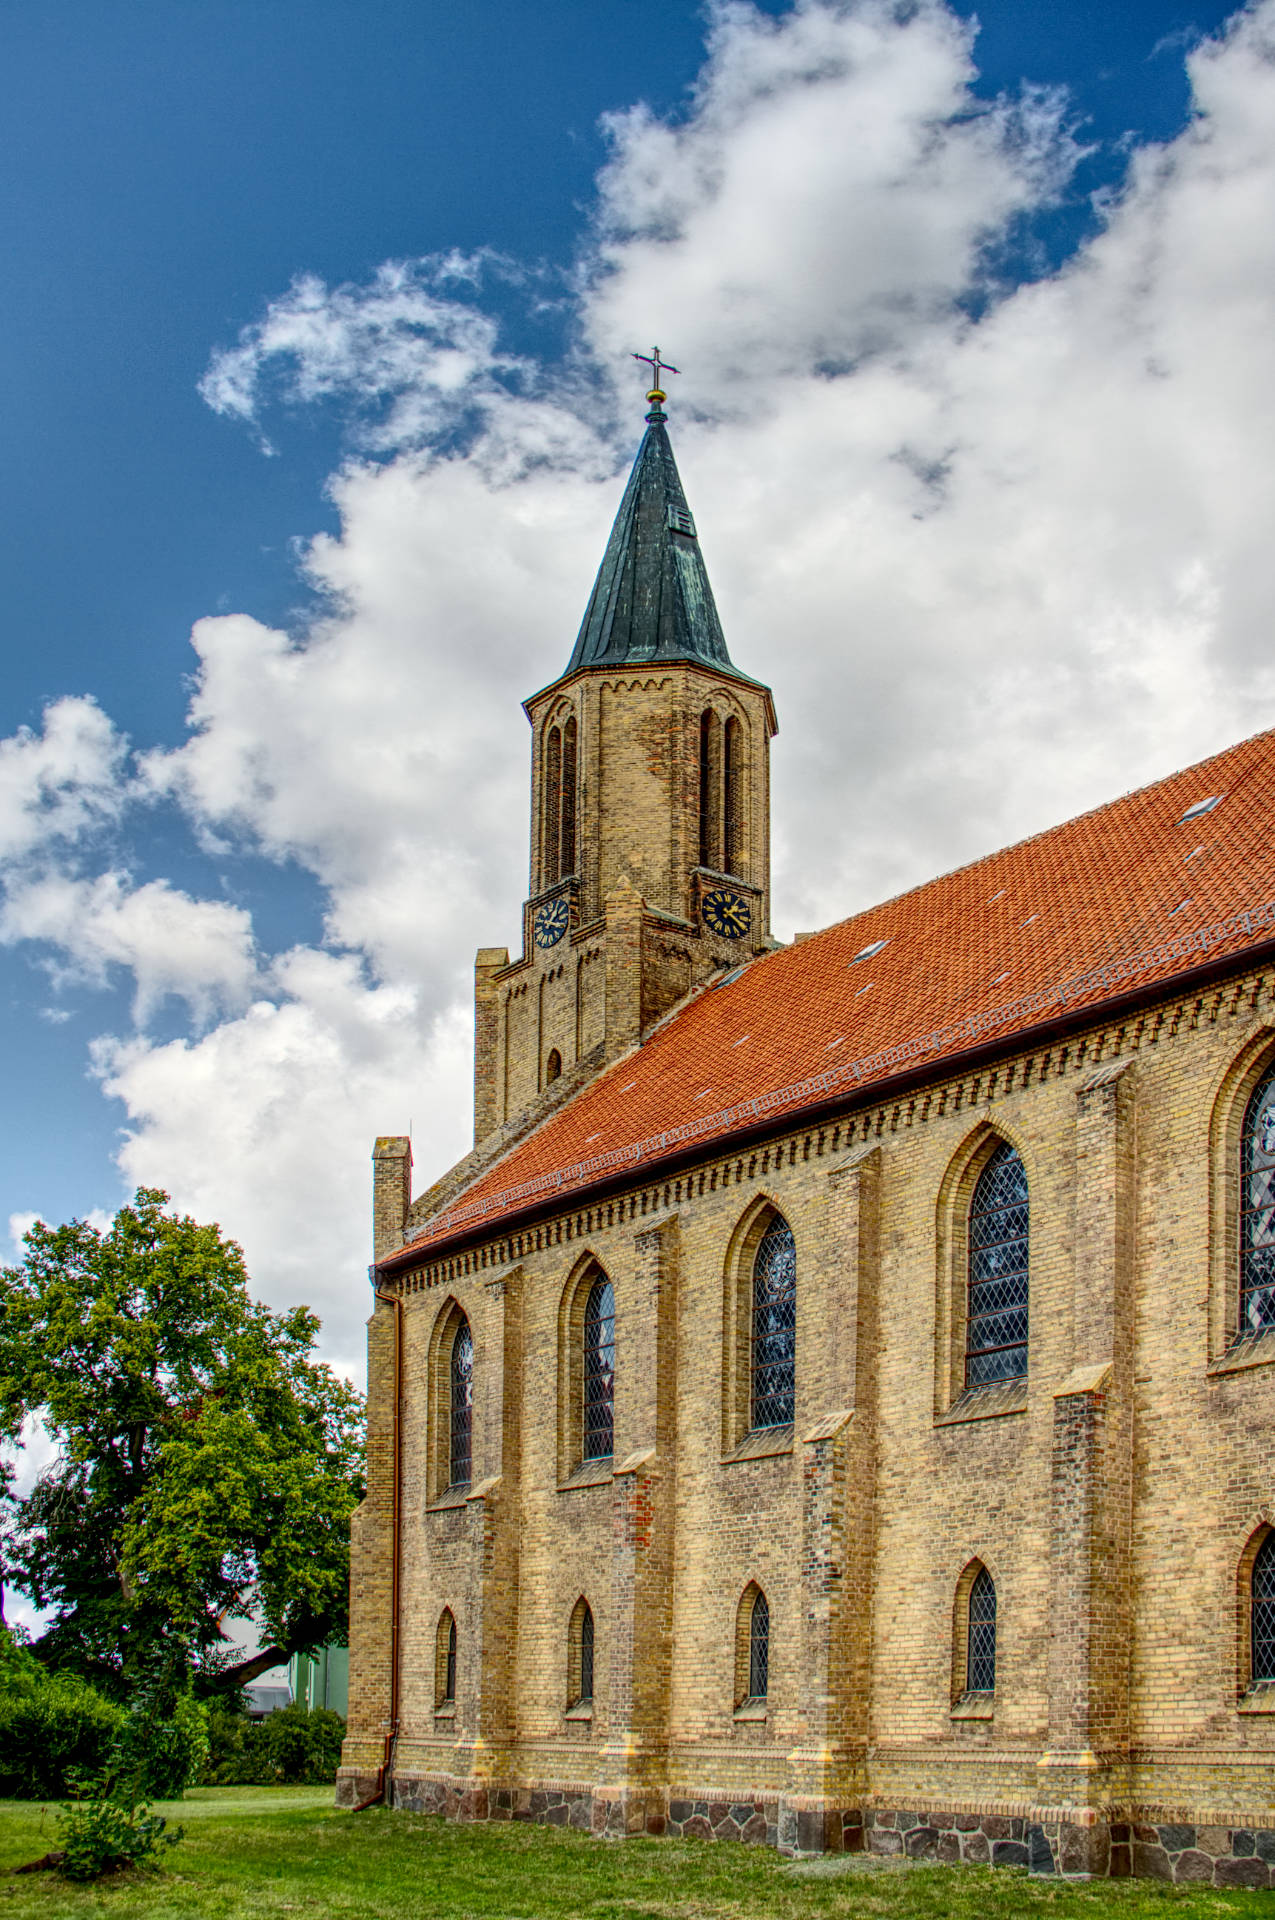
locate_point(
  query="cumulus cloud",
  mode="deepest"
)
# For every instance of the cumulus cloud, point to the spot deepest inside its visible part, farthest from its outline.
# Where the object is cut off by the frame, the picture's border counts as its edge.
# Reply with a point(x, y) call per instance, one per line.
point(405, 355)
point(63, 783)
point(1002, 550)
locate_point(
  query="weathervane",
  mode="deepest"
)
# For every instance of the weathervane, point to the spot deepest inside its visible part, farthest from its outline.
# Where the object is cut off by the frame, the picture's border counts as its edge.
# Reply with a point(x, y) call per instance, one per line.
point(657, 395)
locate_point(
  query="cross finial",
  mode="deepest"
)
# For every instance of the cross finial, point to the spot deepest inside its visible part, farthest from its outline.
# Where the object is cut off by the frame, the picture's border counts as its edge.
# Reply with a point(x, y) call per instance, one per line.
point(656, 396)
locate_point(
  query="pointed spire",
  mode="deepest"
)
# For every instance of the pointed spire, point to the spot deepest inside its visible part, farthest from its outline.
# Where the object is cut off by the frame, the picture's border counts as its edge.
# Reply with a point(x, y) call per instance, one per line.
point(651, 599)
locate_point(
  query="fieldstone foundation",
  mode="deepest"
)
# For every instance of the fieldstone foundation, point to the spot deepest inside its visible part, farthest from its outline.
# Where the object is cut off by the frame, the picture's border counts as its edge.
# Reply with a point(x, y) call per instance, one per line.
point(1218, 1856)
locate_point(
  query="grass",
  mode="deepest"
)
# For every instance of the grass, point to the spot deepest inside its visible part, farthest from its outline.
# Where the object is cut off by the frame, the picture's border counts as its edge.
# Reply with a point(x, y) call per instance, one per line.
point(253, 1851)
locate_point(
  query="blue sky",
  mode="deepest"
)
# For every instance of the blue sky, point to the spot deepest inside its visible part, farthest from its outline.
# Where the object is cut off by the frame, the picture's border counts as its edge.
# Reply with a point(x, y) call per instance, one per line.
point(974, 418)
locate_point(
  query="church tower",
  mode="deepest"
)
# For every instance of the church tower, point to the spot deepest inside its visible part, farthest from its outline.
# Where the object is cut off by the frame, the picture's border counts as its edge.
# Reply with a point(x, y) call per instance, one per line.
point(650, 815)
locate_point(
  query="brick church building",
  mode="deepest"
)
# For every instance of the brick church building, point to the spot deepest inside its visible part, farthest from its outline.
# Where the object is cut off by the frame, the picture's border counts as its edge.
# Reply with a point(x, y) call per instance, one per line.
point(833, 1403)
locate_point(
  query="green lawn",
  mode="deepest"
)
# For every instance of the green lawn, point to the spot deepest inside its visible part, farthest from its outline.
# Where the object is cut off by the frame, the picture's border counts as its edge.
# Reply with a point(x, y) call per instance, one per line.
point(262, 1851)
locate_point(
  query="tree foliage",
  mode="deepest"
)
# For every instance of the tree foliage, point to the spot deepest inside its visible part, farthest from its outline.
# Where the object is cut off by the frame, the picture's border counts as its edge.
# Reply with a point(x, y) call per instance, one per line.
point(205, 1458)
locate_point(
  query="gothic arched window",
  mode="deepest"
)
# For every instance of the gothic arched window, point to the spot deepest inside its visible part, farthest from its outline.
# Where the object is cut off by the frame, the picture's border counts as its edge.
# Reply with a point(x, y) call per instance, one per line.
point(774, 1345)
point(552, 806)
point(752, 1648)
point(580, 1655)
point(567, 803)
point(553, 1067)
point(445, 1660)
point(461, 1429)
point(996, 1321)
point(599, 1370)
point(759, 1648)
point(710, 754)
point(732, 798)
point(1257, 1211)
point(980, 1658)
point(1262, 1612)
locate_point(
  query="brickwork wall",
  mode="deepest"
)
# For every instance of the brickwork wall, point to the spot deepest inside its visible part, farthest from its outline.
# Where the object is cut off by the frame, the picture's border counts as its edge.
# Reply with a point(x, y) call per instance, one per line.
point(1111, 1499)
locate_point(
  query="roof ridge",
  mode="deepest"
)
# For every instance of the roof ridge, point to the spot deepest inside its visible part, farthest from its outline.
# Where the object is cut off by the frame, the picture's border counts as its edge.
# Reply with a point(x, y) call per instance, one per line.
point(1070, 993)
point(1042, 833)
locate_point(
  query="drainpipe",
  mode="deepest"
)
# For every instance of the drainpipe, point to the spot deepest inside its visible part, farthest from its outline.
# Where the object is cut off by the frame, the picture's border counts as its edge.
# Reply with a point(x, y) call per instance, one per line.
point(383, 1789)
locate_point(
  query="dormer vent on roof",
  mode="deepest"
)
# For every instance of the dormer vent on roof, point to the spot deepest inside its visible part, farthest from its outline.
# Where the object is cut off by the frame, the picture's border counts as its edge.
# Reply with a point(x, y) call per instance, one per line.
point(1201, 806)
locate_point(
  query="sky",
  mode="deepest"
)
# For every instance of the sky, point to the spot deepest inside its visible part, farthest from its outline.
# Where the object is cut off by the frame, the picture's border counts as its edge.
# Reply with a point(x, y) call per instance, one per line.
point(314, 362)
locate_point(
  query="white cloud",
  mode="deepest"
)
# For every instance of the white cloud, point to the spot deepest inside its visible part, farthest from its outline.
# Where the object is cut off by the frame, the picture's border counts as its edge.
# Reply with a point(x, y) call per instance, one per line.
point(61, 784)
point(201, 951)
point(401, 350)
point(996, 568)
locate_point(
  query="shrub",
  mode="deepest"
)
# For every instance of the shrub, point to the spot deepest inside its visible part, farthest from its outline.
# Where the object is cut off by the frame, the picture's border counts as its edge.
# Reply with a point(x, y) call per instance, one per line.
point(101, 1835)
point(53, 1727)
point(293, 1747)
point(160, 1749)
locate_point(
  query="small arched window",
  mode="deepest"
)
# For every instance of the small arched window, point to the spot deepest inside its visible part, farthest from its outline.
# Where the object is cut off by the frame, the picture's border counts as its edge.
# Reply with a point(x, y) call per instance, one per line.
point(980, 1660)
point(1262, 1612)
point(445, 1660)
point(553, 1067)
point(461, 1428)
point(996, 1321)
point(774, 1344)
point(752, 1648)
point(599, 1371)
point(1257, 1211)
point(580, 1656)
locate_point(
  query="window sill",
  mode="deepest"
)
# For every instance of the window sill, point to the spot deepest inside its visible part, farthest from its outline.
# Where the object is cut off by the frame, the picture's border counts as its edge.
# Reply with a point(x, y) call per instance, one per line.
point(751, 1710)
point(974, 1706)
point(761, 1444)
point(582, 1710)
point(1254, 1350)
point(445, 1713)
point(454, 1497)
point(590, 1473)
point(987, 1403)
point(1258, 1699)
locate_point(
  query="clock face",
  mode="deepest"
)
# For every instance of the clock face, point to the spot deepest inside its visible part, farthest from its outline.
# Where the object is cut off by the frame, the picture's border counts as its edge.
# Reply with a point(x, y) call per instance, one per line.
point(726, 913)
point(552, 921)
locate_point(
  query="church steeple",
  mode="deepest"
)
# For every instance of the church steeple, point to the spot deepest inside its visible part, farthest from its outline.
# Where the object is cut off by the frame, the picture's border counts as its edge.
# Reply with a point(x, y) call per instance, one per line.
point(650, 816)
point(652, 599)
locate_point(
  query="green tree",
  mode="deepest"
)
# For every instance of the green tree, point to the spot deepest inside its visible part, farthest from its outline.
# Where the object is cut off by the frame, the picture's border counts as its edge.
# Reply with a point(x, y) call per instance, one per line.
point(206, 1461)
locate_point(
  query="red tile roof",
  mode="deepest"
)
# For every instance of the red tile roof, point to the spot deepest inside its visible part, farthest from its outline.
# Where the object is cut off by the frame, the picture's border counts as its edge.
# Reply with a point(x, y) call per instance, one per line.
point(1125, 897)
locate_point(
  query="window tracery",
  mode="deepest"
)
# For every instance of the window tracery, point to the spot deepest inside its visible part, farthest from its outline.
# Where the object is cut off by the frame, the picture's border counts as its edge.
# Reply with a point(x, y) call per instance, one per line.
point(1257, 1211)
point(599, 1370)
point(461, 1430)
point(774, 1327)
point(997, 1309)
point(1262, 1612)
point(980, 1669)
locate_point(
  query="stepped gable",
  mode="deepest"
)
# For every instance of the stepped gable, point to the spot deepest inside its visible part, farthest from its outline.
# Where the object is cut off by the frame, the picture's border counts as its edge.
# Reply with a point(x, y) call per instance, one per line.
point(1120, 899)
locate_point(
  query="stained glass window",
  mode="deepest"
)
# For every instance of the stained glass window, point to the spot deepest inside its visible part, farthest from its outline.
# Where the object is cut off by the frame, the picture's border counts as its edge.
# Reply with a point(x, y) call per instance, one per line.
point(599, 1371)
point(774, 1327)
point(449, 1679)
point(996, 1328)
point(759, 1648)
point(462, 1420)
point(1257, 1211)
point(586, 1655)
point(980, 1663)
point(1263, 1609)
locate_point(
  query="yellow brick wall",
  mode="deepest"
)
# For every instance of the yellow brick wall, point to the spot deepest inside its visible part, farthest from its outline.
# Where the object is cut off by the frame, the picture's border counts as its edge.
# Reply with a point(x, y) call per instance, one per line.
point(1111, 1507)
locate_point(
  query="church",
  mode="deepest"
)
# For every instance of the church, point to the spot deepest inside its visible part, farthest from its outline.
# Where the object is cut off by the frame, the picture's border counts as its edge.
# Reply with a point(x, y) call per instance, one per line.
point(832, 1405)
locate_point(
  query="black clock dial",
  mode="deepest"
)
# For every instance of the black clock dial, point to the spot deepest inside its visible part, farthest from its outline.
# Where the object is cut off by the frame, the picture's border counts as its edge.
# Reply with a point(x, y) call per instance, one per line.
point(552, 921)
point(726, 913)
